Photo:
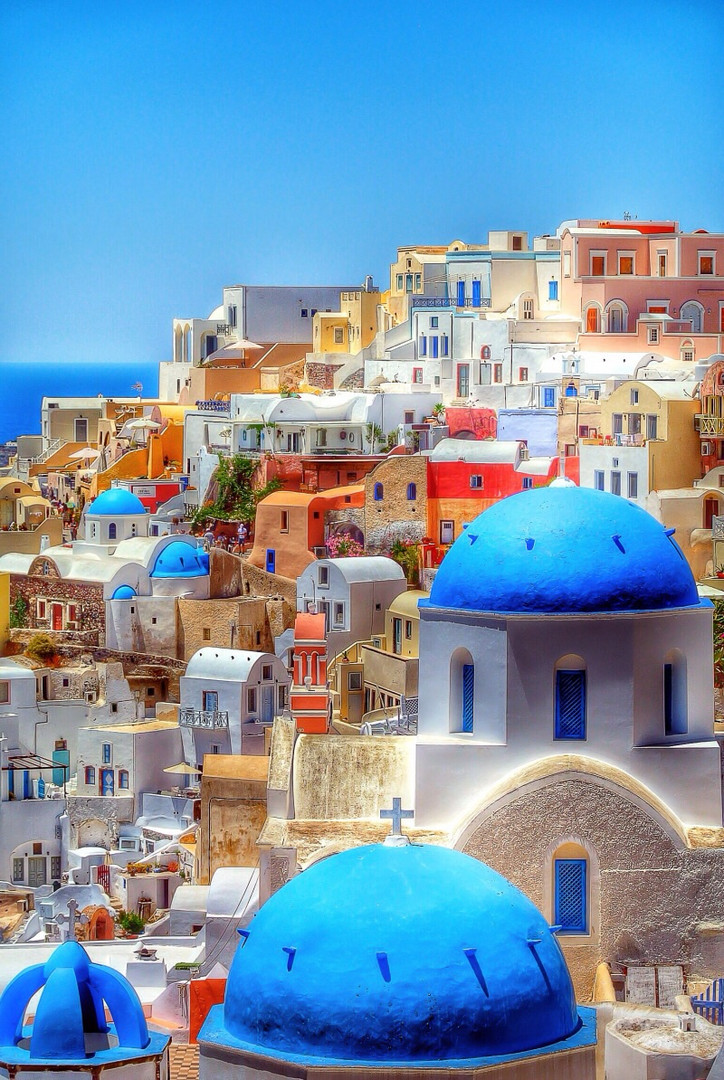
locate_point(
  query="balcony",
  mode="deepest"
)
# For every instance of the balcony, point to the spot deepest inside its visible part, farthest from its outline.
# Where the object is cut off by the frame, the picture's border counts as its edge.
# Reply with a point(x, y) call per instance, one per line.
point(710, 425)
point(448, 302)
point(214, 406)
point(203, 718)
point(677, 326)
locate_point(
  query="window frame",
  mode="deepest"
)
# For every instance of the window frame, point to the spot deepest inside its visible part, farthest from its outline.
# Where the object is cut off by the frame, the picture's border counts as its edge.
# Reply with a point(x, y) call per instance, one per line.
point(706, 255)
point(562, 723)
point(582, 926)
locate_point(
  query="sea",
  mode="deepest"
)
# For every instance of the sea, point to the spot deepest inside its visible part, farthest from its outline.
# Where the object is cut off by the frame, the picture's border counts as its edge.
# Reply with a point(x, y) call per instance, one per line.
point(23, 385)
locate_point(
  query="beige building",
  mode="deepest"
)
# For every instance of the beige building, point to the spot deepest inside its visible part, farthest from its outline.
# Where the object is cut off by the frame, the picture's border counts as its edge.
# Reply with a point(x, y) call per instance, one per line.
point(233, 812)
point(353, 327)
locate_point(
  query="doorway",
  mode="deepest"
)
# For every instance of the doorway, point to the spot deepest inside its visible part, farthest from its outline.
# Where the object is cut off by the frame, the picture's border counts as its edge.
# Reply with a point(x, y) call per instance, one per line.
point(56, 616)
point(106, 781)
point(36, 871)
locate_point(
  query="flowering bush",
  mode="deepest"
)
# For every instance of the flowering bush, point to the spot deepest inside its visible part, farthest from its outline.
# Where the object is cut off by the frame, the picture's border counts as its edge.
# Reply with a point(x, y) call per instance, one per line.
point(341, 547)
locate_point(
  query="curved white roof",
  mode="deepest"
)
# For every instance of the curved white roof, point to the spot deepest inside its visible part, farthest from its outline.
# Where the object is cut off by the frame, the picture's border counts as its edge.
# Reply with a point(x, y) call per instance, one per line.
point(232, 664)
point(476, 450)
point(9, 669)
point(365, 568)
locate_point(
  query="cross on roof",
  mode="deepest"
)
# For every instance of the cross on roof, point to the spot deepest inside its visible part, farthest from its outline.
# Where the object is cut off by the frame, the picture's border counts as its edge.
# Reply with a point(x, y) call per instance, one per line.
point(397, 814)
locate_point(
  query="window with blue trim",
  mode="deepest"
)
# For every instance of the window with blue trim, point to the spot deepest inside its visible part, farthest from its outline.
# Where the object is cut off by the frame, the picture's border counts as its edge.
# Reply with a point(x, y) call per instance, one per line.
point(444, 346)
point(549, 397)
point(423, 345)
point(433, 346)
point(476, 293)
point(378, 492)
point(570, 704)
point(571, 896)
point(106, 753)
point(461, 294)
point(411, 492)
point(468, 677)
point(552, 290)
point(527, 483)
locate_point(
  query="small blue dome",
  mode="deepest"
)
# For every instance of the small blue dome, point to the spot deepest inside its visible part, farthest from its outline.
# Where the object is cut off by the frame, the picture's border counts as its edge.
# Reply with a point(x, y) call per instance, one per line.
point(116, 502)
point(70, 1024)
point(124, 592)
point(179, 559)
point(383, 953)
point(564, 549)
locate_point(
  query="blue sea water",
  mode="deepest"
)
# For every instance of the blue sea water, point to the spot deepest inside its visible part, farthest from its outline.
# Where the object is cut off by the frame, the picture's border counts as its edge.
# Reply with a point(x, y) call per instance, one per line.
point(23, 386)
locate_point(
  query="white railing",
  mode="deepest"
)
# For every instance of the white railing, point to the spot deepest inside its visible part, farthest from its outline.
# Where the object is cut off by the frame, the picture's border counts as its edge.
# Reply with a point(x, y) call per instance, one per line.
point(203, 718)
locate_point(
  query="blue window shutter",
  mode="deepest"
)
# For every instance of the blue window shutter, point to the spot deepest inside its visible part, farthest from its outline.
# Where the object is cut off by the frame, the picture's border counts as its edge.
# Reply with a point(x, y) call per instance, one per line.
point(552, 290)
point(270, 560)
point(461, 294)
point(423, 345)
point(570, 704)
point(444, 345)
point(468, 688)
point(433, 346)
point(571, 895)
point(549, 397)
point(476, 294)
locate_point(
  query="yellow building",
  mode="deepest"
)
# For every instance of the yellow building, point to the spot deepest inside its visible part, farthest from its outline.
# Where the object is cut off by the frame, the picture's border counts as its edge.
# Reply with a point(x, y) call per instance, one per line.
point(353, 327)
point(382, 673)
point(660, 416)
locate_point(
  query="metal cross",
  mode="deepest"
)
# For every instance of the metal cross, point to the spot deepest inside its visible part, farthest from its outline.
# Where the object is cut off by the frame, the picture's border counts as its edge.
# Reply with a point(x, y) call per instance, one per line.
point(397, 814)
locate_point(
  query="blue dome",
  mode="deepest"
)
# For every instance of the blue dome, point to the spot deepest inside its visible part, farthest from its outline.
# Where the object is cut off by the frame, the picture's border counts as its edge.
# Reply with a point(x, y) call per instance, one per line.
point(564, 549)
point(124, 592)
point(116, 502)
point(382, 953)
point(179, 559)
point(70, 1024)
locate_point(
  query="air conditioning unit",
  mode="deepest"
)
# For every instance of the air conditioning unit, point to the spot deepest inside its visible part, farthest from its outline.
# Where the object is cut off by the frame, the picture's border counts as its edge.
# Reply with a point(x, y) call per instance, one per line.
point(706, 449)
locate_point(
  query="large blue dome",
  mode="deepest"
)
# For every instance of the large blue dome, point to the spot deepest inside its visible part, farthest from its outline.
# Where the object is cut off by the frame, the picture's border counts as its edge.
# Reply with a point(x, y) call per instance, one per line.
point(383, 953)
point(116, 502)
point(179, 559)
point(564, 549)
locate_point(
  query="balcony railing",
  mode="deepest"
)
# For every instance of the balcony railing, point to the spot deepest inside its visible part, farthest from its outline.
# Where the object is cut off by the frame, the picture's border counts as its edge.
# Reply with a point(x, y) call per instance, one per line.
point(710, 425)
point(203, 718)
point(717, 527)
point(678, 326)
point(214, 406)
point(448, 301)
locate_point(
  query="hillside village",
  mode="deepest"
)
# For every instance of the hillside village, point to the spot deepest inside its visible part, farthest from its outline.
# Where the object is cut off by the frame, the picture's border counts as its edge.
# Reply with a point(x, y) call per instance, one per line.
point(440, 558)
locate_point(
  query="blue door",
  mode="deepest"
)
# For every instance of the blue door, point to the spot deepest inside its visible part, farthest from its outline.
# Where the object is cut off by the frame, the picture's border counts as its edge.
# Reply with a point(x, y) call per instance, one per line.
point(476, 294)
point(60, 758)
point(468, 688)
point(571, 895)
point(106, 781)
point(461, 294)
point(27, 790)
point(271, 560)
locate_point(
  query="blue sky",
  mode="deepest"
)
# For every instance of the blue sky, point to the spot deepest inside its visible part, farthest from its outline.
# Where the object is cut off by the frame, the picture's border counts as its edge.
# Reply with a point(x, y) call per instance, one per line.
point(155, 151)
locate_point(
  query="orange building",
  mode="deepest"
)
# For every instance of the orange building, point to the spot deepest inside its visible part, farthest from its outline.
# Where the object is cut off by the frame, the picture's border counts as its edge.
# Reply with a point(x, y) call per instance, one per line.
point(309, 696)
point(291, 524)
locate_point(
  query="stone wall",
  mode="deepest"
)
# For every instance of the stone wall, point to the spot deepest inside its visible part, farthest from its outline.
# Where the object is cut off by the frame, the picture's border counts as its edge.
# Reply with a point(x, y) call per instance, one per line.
point(95, 819)
point(257, 582)
point(87, 596)
point(320, 375)
point(394, 516)
point(209, 622)
point(652, 901)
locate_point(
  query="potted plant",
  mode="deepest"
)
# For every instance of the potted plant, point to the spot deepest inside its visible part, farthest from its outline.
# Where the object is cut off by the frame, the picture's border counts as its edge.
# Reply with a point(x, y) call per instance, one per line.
point(719, 570)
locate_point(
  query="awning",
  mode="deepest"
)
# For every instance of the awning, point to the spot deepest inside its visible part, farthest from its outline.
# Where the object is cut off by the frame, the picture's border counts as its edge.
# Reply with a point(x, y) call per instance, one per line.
point(183, 769)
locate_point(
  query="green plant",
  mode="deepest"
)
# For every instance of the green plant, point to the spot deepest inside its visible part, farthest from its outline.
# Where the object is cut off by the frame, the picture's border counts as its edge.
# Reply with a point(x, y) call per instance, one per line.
point(718, 643)
point(374, 435)
point(438, 411)
point(130, 922)
point(19, 612)
point(236, 497)
point(413, 440)
point(408, 556)
point(40, 647)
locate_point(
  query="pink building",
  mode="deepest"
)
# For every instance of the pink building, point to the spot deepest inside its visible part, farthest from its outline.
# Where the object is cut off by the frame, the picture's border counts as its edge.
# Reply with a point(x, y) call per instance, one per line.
point(644, 286)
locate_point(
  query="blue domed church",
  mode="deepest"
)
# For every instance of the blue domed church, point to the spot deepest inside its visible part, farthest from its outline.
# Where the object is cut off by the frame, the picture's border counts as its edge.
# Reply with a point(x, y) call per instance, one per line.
point(396, 959)
point(566, 722)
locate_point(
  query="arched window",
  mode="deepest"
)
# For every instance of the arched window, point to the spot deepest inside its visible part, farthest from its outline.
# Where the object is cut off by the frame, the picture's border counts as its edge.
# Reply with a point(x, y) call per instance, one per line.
point(687, 352)
point(378, 492)
point(462, 692)
point(676, 718)
point(570, 711)
point(112, 531)
point(571, 889)
point(694, 312)
point(411, 492)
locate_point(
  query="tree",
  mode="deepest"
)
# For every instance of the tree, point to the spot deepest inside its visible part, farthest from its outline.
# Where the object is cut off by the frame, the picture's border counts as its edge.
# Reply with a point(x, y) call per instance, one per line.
point(236, 497)
point(41, 647)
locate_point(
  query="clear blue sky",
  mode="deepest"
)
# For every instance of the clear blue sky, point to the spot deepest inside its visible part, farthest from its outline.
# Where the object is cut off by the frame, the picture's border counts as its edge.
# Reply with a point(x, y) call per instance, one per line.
point(155, 151)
